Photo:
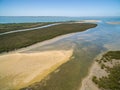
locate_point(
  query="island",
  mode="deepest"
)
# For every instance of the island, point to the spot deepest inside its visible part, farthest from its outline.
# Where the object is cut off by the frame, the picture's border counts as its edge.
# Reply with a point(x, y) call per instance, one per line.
point(20, 70)
point(104, 73)
point(18, 40)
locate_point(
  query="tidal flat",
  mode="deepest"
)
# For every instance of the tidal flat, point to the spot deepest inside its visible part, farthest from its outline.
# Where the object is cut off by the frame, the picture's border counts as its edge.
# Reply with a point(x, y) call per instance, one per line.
point(85, 45)
point(18, 40)
point(27, 68)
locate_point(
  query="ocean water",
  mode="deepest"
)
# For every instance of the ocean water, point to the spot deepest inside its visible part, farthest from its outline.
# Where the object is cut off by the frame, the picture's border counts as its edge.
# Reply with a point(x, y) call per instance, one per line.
point(87, 45)
point(30, 19)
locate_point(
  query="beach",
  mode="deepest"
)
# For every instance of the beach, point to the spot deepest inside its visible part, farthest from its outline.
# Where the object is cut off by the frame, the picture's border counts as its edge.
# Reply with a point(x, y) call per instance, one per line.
point(114, 23)
point(103, 72)
point(26, 66)
point(52, 63)
point(24, 69)
point(95, 69)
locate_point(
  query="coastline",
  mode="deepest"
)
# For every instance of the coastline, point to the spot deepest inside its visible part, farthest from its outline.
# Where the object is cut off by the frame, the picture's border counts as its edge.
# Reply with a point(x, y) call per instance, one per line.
point(20, 53)
point(30, 69)
point(49, 41)
point(104, 73)
point(23, 51)
point(87, 83)
point(39, 44)
point(113, 23)
point(29, 29)
point(45, 42)
point(32, 37)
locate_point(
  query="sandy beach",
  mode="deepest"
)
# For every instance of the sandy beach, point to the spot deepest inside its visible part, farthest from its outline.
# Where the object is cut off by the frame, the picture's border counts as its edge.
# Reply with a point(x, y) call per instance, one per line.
point(22, 69)
point(89, 21)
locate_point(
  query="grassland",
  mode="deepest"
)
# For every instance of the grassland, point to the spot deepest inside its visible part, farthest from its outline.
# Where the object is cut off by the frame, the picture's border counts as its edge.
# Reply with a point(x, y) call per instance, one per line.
point(110, 62)
point(18, 26)
point(22, 39)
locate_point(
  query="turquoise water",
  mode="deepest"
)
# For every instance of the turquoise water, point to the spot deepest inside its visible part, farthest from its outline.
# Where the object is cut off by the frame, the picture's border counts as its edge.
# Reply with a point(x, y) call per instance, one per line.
point(24, 19)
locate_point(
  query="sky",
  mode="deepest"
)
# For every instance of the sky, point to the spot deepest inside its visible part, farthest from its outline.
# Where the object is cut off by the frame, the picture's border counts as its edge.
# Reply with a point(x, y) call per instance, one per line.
point(59, 7)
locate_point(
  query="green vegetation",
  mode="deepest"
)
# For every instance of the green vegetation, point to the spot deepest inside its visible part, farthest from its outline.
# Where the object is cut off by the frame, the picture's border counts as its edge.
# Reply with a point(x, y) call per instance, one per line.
point(112, 81)
point(112, 55)
point(18, 26)
point(22, 39)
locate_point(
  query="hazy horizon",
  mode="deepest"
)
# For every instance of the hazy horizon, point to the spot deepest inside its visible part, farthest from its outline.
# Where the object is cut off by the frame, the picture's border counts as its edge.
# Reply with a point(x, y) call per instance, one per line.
point(57, 16)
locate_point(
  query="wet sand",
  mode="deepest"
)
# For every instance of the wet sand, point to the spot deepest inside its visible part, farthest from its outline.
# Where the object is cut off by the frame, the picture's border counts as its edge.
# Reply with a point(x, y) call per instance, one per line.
point(95, 70)
point(114, 23)
point(21, 68)
point(18, 70)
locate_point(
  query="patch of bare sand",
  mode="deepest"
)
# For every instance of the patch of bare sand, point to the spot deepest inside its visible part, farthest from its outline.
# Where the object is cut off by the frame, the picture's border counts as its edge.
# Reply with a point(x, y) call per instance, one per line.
point(114, 23)
point(18, 70)
point(95, 70)
point(89, 21)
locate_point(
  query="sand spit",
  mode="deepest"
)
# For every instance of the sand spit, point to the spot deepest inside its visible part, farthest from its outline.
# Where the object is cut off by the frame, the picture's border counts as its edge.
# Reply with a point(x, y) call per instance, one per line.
point(18, 70)
point(113, 23)
point(89, 21)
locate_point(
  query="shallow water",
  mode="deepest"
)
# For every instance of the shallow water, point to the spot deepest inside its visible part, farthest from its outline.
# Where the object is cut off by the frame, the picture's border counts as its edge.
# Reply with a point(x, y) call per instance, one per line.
point(87, 45)
point(25, 19)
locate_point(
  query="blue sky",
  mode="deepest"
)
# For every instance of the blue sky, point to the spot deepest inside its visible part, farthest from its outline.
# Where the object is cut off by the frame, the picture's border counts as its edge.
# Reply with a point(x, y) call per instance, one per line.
point(59, 7)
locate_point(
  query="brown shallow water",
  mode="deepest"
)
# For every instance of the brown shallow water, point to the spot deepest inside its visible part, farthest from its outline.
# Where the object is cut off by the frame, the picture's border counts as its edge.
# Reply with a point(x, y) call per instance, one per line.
point(86, 46)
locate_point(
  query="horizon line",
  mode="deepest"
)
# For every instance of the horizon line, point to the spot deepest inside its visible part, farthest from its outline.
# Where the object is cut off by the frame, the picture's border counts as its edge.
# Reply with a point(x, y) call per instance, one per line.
point(55, 16)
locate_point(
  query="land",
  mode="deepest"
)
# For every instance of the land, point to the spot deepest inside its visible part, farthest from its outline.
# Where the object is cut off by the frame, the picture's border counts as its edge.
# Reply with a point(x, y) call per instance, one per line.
point(18, 40)
point(90, 21)
point(21, 69)
point(114, 23)
point(105, 73)
point(18, 26)
point(18, 70)
point(69, 75)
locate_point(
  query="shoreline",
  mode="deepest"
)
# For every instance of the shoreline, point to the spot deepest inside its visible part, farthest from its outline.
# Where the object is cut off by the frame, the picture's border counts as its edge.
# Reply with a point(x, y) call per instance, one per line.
point(30, 69)
point(113, 23)
point(45, 42)
point(29, 29)
point(87, 83)
point(39, 44)
point(54, 67)
point(35, 36)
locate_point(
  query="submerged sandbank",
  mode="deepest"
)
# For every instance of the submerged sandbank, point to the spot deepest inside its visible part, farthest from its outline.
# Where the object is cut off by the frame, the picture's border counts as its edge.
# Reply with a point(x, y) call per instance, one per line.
point(18, 70)
point(114, 23)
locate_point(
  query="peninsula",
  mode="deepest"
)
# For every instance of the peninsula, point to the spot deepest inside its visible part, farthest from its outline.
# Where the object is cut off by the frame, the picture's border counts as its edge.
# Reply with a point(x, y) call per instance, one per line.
point(18, 40)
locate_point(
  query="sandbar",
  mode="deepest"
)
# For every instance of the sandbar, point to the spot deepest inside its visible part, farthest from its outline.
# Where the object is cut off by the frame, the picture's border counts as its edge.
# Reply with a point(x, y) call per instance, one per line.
point(114, 23)
point(18, 70)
